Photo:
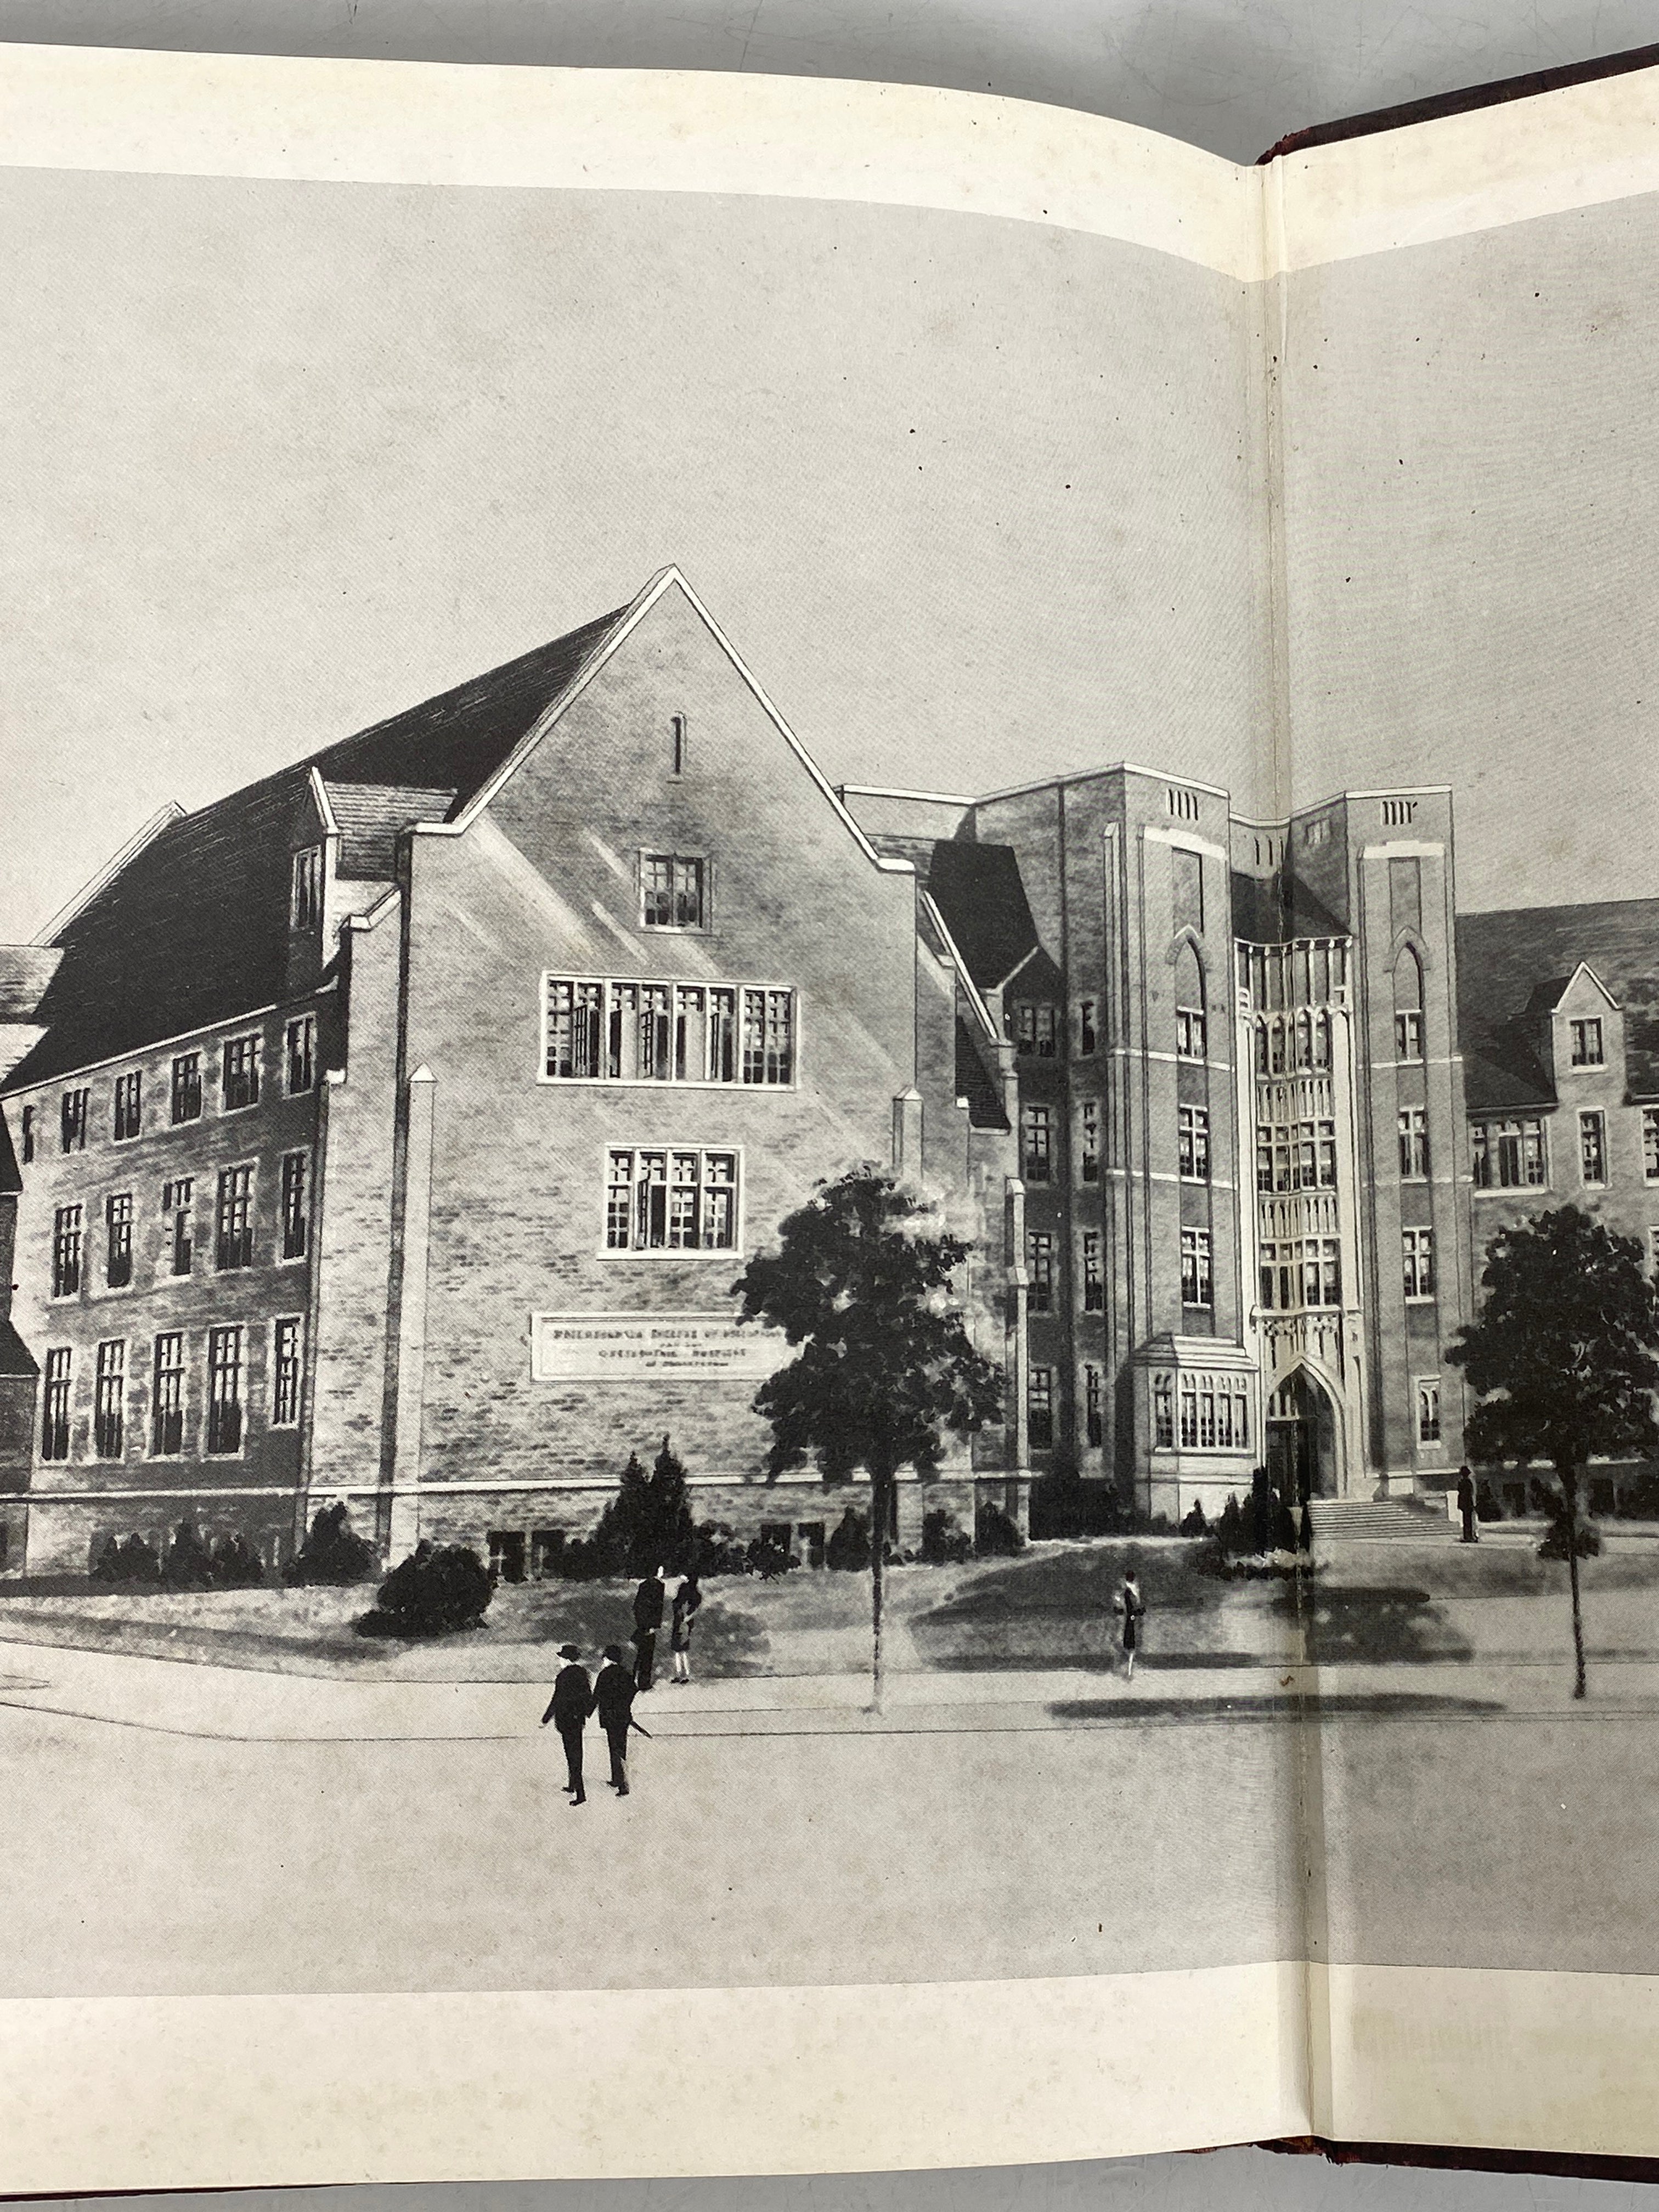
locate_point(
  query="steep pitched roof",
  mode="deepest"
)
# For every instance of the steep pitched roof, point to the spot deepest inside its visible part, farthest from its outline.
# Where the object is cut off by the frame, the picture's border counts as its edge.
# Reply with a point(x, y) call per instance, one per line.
point(1512, 967)
point(193, 929)
point(457, 741)
point(980, 892)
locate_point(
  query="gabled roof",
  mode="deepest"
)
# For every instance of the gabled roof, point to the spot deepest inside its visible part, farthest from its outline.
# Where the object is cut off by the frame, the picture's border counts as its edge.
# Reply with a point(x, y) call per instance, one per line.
point(192, 930)
point(979, 891)
point(189, 927)
point(371, 817)
point(1513, 966)
point(459, 740)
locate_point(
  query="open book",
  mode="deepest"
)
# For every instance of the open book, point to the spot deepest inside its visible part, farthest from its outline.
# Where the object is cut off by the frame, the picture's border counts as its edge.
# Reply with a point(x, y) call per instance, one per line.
point(852, 930)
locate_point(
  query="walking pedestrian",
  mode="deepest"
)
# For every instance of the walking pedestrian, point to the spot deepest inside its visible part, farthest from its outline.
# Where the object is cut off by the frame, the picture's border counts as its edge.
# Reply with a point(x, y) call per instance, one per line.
point(687, 1599)
point(613, 1700)
point(569, 1708)
point(1132, 1607)
point(647, 1620)
point(1465, 1506)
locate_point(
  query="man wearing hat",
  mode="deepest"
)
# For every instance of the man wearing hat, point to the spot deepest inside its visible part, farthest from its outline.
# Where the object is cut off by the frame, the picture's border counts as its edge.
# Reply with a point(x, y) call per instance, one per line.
point(571, 1704)
point(613, 1700)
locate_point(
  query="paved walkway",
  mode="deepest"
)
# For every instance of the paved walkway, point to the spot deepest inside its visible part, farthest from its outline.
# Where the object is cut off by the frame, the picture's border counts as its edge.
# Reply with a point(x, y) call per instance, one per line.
point(233, 1703)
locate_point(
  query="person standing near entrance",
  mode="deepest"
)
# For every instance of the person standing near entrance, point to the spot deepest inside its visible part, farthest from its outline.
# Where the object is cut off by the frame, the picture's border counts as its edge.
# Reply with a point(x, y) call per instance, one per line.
point(647, 1620)
point(1465, 1506)
point(613, 1701)
point(571, 1704)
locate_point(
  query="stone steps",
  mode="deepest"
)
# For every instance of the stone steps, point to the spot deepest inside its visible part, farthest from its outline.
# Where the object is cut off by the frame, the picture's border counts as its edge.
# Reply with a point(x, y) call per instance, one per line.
point(1377, 1520)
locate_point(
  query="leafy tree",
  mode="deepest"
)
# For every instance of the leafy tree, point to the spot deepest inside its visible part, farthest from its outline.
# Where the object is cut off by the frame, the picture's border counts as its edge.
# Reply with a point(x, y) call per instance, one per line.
point(1562, 1358)
point(862, 1282)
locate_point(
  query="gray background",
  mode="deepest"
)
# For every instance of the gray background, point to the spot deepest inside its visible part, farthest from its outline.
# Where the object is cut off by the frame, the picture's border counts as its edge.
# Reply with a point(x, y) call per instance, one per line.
point(1233, 76)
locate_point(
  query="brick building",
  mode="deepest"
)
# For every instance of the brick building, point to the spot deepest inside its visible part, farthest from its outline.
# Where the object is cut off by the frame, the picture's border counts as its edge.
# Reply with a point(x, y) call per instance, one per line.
point(395, 1129)
point(1274, 1096)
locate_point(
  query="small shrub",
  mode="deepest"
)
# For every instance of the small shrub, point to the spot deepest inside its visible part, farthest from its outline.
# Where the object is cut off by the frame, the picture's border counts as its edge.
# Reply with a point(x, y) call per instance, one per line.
point(718, 1551)
point(996, 1534)
point(769, 1561)
point(943, 1543)
point(333, 1553)
point(139, 1562)
point(107, 1567)
point(1486, 1507)
point(236, 1565)
point(1555, 1543)
point(435, 1591)
point(1193, 1522)
point(188, 1563)
point(848, 1545)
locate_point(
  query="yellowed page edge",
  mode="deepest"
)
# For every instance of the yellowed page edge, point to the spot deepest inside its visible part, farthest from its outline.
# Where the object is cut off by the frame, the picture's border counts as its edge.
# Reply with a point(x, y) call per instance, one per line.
point(1491, 2060)
point(1580, 147)
point(201, 2093)
point(624, 130)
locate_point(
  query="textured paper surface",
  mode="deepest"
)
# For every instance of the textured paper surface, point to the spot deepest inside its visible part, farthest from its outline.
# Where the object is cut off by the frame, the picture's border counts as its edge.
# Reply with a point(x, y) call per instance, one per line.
point(242, 2090)
point(232, 2092)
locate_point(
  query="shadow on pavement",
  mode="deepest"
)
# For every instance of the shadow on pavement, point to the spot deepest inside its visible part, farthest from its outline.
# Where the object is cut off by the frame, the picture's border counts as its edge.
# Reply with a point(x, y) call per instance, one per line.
point(1387, 1705)
point(1380, 1621)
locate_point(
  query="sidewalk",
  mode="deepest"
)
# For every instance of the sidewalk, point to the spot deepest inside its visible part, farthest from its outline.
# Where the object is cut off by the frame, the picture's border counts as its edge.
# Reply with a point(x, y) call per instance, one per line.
point(237, 1704)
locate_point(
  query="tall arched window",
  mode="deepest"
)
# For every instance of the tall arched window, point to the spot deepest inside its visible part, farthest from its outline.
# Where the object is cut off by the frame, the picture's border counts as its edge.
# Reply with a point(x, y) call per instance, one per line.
point(1409, 1006)
point(1190, 1022)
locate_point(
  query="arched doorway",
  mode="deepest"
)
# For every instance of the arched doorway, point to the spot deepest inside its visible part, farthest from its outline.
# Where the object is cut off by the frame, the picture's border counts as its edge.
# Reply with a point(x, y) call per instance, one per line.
point(1302, 1438)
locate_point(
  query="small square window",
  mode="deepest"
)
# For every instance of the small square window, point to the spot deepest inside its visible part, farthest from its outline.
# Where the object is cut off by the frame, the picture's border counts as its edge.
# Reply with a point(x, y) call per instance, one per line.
point(672, 888)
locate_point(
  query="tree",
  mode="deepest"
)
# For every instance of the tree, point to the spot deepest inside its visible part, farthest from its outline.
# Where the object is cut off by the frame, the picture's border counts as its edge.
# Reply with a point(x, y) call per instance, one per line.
point(1562, 1358)
point(673, 1533)
point(862, 1281)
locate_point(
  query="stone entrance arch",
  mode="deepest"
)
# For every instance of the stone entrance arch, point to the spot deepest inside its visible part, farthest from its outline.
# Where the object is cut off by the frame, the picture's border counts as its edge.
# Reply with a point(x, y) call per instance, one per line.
point(1303, 1455)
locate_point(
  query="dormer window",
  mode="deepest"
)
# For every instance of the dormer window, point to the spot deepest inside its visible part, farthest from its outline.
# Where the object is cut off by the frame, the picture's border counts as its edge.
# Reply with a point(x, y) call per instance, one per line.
point(1586, 1043)
point(672, 888)
point(1034, 1032)
point(306, 900)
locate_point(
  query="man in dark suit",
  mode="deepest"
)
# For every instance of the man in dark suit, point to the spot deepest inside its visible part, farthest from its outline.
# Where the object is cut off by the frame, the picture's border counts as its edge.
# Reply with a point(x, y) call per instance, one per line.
point(1466, 1507)
point(613, 1700)
point(571, 1704)
point(647, 1620)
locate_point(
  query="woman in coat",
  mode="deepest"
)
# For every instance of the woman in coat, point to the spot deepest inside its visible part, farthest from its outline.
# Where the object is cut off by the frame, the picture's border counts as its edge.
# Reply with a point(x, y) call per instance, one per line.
point(687, 1598)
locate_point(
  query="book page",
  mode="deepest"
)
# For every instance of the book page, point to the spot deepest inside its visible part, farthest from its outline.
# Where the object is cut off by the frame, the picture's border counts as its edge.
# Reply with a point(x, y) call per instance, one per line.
point(596, 655)
point(1467, 381)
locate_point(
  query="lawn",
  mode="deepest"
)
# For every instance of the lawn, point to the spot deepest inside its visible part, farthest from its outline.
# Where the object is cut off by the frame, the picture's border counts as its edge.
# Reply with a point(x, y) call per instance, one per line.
point(1051, 1607)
